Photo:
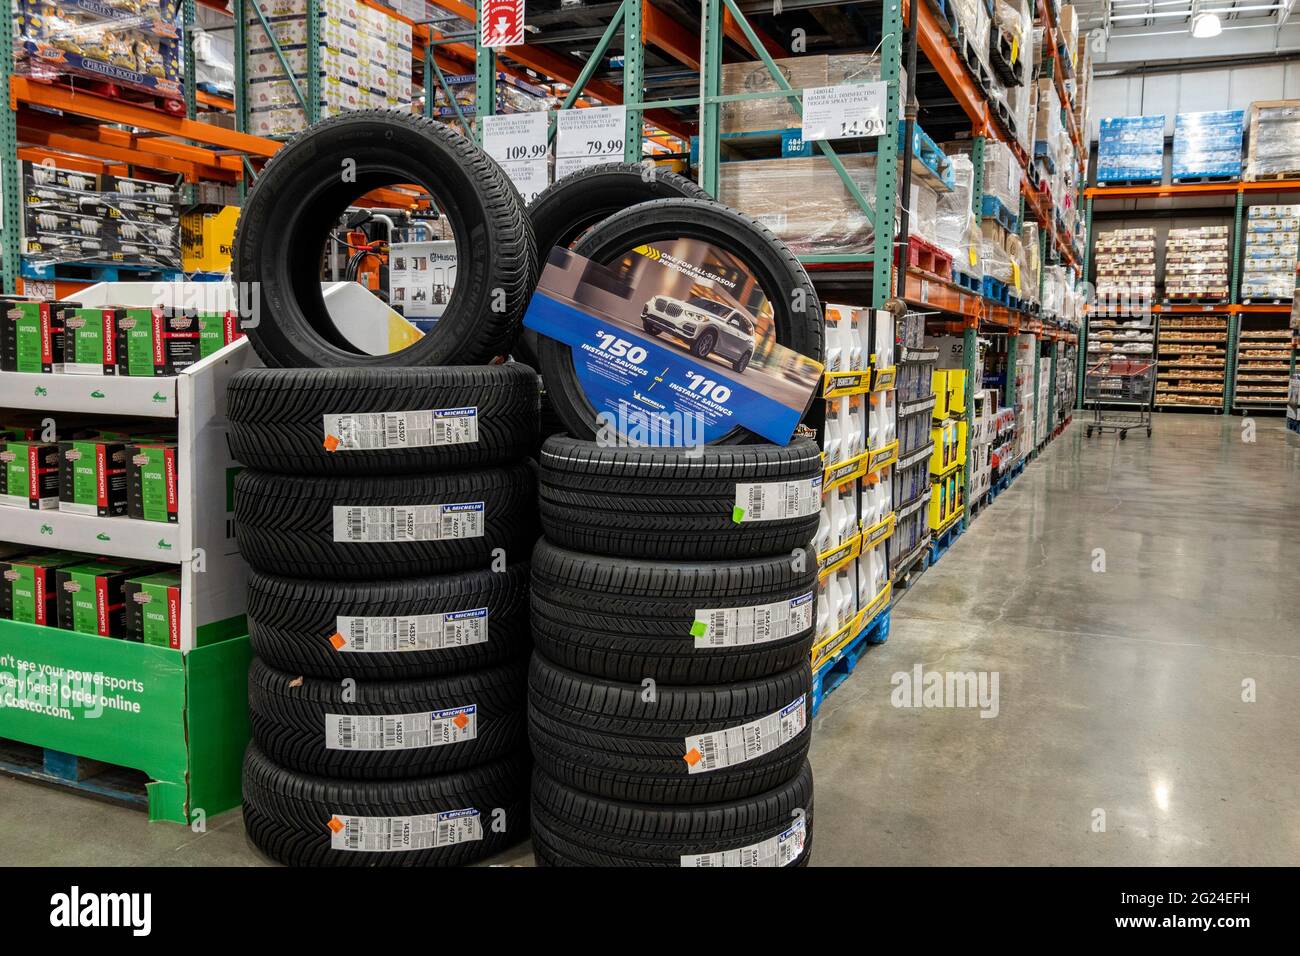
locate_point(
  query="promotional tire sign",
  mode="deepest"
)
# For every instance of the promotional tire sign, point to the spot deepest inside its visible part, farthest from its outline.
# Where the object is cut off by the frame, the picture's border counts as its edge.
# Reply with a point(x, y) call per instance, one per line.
point(674, 343)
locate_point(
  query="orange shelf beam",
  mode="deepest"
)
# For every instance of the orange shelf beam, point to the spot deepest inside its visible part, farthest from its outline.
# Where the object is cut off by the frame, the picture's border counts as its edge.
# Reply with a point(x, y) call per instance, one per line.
point(24, 91)
point(662, 31)
point(213, 101)
point(120, 146)
point(939, 51)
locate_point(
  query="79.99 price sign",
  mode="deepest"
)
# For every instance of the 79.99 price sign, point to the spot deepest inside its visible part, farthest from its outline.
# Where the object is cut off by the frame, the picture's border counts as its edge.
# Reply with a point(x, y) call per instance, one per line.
point(588, 137)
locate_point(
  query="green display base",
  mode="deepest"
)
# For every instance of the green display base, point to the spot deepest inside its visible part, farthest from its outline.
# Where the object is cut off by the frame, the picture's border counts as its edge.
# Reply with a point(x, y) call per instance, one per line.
point(182, 719)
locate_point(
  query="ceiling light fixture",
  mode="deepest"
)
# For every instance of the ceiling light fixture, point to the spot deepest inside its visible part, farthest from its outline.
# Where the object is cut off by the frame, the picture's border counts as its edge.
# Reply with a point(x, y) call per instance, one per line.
point(1205, 25)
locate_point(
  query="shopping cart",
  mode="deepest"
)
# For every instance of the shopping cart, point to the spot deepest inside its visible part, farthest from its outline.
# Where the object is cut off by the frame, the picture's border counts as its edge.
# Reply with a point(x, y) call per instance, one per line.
point(1117, 383)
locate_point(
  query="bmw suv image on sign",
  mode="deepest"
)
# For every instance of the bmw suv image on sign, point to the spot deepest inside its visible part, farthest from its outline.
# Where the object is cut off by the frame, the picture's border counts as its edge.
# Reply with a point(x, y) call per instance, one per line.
point(707, 327)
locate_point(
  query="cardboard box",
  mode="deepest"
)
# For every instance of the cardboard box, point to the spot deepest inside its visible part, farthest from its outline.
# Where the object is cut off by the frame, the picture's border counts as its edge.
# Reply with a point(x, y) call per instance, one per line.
point(91, 596)
point(92, 477)
point(27, 589)
point(90, 341)
point(31, 336)
point(29, 477)
point(153, 609)
point(151, 481)
point(208, 238)
point(157, 341)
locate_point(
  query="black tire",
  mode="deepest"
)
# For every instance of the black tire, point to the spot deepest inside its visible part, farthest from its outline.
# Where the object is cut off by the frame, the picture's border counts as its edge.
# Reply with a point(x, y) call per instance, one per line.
point(628, 620)
point(278, 418)
point(742, 363)
point(285, 524)
point(298, 197)
point(605, 737)
point(288, 815)
point(572, 828)
point(778, 272)
point(670, 503)
point(567, 208)
point(287, 714)
point(294, 625)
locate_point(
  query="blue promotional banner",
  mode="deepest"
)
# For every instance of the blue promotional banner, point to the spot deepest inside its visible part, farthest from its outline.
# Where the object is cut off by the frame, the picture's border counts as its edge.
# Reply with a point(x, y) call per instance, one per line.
point(673, 354)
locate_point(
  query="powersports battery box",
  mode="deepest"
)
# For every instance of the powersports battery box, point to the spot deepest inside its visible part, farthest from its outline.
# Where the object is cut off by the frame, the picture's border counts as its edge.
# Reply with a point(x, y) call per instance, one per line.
point(90, 341)
point(31, 336)
point(28, 593)
point(157, 341)
point(151, 481)
point(153, 609)
point(29, 474)
point(92, 596)
point(92, 477)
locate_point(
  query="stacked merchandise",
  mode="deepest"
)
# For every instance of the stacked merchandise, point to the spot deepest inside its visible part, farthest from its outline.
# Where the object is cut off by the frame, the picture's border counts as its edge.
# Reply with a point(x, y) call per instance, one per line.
point(388, 516)
point(1003, 451)
point(1131, 149)
point(364, 55)
point(71, 216)
point(857, 504)
point(1065, 379)
point(1026, 358)
point(1193, 351)
point(950, 432)
point(669, 695)
point(1273, 140)
point(800, 196)
point(93, 595)
point(135, 43)
point(982, 434)
point(1082, 85)
point(1269, 265)
point(1263, 364)
point(1012, 33)
point(1002, 178)
point(956, 227)
point(1125, 340)
point(1207, 145)
point(1041, 424)
point(1031, 263)
point(512, 95)
point(915, 402)
point(1126, 268)
point(65, 337)
point(1196, 264)
point(1047, 126)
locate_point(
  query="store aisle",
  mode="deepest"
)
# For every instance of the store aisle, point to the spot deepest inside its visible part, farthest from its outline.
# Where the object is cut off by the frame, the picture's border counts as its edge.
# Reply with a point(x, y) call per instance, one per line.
point(1120, 692)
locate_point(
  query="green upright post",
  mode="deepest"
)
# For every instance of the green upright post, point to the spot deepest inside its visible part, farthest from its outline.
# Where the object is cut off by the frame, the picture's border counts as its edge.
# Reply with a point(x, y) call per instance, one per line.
point(633, 79)
point(1234, 321)
point(882, 251)
point(977, 182)
point(313, 62)
point(1051, 392)
point(188, 25)
point(710, 153)
point(969, 354)
point(11, 227)
point(1081, 359)
point(241, 87)
point(485, 75)
point(1038, 374)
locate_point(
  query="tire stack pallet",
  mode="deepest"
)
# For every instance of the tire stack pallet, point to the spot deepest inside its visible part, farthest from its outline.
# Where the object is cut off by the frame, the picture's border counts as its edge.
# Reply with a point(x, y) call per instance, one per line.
point(388, 521)
point(673, 609)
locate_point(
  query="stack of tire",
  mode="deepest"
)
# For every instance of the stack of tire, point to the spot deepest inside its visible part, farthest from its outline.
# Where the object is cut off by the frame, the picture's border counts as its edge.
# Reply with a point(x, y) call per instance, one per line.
point(673, 604)
point(669, 693)
point(388, 513)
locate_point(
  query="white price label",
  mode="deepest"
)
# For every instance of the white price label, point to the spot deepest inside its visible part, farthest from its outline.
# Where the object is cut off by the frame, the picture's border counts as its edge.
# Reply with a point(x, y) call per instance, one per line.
point(356, 523)
point(733, 626)
point(410, 632)
point(773, 500)
point(726, 748)
point(401, 731)
point(366, 431)
point(529, 176)
point(844, 112)
point(516, 137)
point(394, 834)
point(597, 131)
point(780, 850)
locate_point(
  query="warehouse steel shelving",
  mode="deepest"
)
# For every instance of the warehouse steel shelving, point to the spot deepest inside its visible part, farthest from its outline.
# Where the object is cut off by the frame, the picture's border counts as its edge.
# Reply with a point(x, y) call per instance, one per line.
point(1183, 198)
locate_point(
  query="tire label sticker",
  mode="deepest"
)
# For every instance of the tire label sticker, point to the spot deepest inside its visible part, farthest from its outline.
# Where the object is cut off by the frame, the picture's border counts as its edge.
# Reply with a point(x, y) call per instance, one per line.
point(726, 748)
point(780, 850)
point(401, 731)
point(774, 500)
point(354, 523)
point(410, 632)
point(425, 831)
point(732, 626)
point(369, 431)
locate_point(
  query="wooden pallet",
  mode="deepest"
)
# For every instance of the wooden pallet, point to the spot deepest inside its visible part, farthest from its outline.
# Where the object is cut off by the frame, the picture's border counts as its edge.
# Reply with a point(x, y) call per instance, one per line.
point(105, 781)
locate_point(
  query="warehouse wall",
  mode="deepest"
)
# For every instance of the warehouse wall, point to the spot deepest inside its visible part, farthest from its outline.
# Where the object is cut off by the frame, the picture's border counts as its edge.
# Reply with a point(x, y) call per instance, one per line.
point(1173, 93)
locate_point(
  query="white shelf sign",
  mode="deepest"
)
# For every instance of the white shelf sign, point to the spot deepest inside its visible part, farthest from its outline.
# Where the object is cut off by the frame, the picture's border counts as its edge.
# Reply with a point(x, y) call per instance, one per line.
point(844, 112)
point(588, 137)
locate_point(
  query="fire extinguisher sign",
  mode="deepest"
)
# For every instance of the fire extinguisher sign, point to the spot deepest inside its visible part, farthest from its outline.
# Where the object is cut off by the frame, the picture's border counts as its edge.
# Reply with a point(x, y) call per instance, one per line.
point(502, 22)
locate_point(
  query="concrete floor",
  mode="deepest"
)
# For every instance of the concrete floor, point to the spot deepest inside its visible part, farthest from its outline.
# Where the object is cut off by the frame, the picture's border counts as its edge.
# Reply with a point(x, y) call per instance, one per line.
point(1120, 692)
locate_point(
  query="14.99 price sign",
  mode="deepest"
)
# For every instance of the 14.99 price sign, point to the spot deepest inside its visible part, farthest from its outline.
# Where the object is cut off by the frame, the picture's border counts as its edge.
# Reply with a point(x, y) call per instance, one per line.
point(501, 22)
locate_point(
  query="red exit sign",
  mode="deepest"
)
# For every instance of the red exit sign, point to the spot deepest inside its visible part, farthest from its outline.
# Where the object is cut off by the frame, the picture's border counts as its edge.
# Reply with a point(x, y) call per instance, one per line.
point(502, 22)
